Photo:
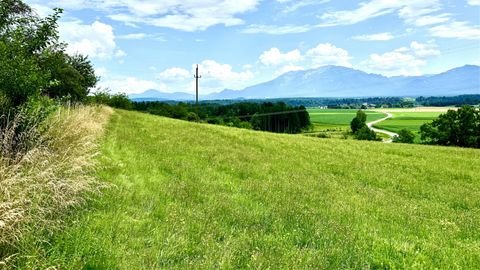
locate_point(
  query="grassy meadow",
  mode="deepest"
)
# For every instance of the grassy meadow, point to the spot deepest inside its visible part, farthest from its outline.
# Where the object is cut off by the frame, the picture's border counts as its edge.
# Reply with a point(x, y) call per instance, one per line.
point(201, 196)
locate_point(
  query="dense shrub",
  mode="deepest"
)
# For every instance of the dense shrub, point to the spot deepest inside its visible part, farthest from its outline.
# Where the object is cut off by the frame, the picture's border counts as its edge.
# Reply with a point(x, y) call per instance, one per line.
point(454, 128)
point(366, 134)
point(404, 136)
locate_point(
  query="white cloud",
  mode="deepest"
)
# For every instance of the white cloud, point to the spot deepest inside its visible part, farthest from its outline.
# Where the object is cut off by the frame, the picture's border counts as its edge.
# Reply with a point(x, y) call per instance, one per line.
point(96, 40)
point(321, 55)
point(277, 29)
point(408, 10)
point(455, 29)
point(432, 19)
point(175, 74)
point(215, 77)
point(328, 54)
point(419, 13)
point(424, 50)
point(405, 61)
point(182, 15)
point(41, 10)
point(474, 2)
point(223, 73)
point(134, 36)
point(130, 85)
point(294, 5)
point(375, 37)
point(275, 57)
point(120, 54)
point(288, 68)
point(101, 71)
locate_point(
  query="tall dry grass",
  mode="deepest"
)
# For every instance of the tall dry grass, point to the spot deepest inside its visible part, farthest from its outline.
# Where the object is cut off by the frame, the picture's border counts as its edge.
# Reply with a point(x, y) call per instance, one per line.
point(49, 176)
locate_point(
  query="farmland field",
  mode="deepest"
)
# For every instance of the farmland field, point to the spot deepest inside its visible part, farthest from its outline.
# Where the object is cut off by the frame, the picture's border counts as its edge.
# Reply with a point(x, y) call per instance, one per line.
point(339, 119)
point(410, 119)
point(190, 196)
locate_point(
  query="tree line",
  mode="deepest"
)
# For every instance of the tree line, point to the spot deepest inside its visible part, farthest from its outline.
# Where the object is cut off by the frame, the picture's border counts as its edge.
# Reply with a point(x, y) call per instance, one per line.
point(267, 116)
point(377, 102)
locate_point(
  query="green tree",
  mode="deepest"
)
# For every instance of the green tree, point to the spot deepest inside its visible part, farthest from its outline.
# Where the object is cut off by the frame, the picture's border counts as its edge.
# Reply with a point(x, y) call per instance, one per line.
point(454, 128)
point(24, 38)
point(359, 121)
point(404, 136)
point(366, 134)
point(70, 76)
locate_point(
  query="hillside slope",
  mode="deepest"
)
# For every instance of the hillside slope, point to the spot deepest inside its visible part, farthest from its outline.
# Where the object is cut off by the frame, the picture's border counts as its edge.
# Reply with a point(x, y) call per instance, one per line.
point(202, 196)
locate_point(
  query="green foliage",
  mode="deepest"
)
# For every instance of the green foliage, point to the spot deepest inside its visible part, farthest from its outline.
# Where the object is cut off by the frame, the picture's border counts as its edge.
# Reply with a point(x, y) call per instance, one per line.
point(359, 121)
point(208, 197)
point(275, 117)
point(366, 134)
point(120, 100)
point(192, 117)
point(404, 136)
point(70, 76)
point(23, 39)
point(33, 60)
point(454, 128)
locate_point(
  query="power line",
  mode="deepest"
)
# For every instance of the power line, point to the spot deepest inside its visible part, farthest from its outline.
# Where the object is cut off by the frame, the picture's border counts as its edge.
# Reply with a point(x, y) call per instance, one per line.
point(256, 115)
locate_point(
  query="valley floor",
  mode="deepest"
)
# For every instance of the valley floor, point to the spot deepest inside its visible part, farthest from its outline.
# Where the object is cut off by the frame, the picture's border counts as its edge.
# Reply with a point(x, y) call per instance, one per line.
point(202, 196)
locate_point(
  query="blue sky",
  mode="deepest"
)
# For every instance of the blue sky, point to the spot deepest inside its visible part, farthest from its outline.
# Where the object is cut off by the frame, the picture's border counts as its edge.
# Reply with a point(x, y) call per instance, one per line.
point(137, 45)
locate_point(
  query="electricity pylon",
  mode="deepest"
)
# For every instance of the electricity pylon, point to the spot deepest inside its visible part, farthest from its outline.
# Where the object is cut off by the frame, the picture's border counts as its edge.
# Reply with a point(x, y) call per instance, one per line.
point(196, 88)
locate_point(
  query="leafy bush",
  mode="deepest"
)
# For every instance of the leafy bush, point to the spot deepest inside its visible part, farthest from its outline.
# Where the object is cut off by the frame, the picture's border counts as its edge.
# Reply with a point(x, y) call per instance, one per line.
point(404, 136)
point(193, 117)
point(120, 100)
point(366, 134)
point(454, 128)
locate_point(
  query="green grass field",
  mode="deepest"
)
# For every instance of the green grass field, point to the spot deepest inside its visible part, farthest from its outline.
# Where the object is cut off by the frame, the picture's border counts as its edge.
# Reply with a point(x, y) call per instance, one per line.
point(409, 120)
point(329, 119)
point(198, 196)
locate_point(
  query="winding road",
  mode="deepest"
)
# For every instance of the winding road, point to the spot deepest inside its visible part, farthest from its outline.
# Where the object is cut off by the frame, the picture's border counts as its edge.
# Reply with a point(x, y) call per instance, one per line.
point(389, 133)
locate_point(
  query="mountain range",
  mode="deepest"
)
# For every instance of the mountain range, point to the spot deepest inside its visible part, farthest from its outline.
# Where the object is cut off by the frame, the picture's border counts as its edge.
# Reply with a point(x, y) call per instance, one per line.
point(336, 81)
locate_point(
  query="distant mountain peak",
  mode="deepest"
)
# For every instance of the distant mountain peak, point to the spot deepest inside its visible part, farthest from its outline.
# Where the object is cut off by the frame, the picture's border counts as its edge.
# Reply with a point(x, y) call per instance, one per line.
point(340, 81)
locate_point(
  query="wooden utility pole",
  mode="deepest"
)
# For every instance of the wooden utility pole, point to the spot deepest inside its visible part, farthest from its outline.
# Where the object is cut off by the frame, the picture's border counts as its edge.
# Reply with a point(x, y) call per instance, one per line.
point(196, 88)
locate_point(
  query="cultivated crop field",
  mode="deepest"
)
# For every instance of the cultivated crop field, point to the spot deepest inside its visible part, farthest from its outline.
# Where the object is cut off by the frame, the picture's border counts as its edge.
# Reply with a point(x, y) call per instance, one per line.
point(337, 119)
point(411, 119)
point(195, 196)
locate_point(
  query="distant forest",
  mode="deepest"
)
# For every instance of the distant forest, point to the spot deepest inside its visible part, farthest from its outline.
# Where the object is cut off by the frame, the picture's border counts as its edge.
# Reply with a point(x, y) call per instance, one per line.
point(357, 103)
point(267, 116)
point(274, 115)
point(457, 101)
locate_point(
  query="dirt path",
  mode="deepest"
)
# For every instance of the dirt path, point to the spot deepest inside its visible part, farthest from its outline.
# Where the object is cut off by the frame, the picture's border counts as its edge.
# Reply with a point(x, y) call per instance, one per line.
point(389, 133)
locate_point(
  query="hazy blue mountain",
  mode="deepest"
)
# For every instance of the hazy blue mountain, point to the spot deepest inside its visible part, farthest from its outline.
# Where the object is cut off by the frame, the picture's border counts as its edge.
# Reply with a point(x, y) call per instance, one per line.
point(154, 95)
point(335, 81)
